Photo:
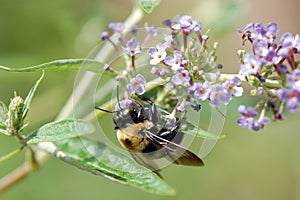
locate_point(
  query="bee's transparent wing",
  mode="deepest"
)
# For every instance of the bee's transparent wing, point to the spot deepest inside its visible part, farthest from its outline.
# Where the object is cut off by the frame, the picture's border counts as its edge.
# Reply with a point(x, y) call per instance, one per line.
point(146, 163)
point(174, 152)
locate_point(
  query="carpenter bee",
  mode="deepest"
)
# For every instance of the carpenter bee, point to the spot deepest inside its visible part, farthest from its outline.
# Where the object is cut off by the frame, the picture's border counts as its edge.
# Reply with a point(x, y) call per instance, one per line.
point(144, 134)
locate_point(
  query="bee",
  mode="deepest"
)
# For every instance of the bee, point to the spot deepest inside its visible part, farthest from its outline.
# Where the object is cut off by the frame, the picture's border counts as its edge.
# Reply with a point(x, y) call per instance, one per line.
point(140, 130)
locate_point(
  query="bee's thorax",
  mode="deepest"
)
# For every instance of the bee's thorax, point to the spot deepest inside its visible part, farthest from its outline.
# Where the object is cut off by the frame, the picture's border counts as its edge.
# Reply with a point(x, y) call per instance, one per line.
point(132, 138)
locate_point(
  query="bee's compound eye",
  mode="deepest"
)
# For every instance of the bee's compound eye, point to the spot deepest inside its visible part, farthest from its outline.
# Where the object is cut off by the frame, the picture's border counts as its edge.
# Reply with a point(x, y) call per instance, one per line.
point(128, 142)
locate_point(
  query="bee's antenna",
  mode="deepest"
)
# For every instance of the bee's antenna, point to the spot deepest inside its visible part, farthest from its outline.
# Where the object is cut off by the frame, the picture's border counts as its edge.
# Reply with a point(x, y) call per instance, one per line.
point(118, 98)
point(104, 110)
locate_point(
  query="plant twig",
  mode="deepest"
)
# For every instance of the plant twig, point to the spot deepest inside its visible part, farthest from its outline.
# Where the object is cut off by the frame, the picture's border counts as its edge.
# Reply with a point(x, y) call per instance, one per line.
point(15, 176)
point(11, 154)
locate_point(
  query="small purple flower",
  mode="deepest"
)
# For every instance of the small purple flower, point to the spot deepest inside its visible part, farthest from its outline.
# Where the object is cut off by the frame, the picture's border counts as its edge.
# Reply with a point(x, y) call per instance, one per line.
point(251, 64)
point(282, 69)
point(259, 33)
point(151, 30)
point(289, 43)
point(168, 40)
point(271, 32)
point(154, 70)
point(163, 72)
point(260, 48)
point(158, 54)
point(132, 48)
point(123, 104)
point(232, 86)
point(106, 67)
point(247, 29)
point(271, 58)
point(258, 124)
point(291, 97)
point(181, 77)
point(134, 29)
point(247, 116)
point(201, 90)
point(117, 27)
point(167, 22)
point(174, 62)
point(219, 95)
point(181, 107)
point(129, 70)
point(137, 85)
point(198, 28)
point(118, 78)
point(265, 52)
point(244, 122)
point(104, 35)
point(261, 78)
point(266, 34)
point(293, 79)
point(186, 24)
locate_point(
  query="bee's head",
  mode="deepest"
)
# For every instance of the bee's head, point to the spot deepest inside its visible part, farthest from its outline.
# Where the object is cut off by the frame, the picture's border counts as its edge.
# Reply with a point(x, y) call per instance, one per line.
point(128, 112)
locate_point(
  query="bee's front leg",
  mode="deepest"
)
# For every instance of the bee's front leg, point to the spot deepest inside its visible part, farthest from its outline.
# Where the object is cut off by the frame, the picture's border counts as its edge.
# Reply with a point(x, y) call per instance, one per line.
point(154, 113)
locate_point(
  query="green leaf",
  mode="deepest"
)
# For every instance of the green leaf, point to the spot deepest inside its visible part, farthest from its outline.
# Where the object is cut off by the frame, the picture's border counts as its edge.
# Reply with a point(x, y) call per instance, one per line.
point(3, 112)
point(3, 117)
point(30, 95)
point(100, 159)
point(60, 130)
point(66, 64)
point(149, 5)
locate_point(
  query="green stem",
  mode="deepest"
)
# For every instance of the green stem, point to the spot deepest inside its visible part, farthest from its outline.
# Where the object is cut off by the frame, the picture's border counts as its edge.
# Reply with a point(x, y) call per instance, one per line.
point(11, 154)
point(269, 83)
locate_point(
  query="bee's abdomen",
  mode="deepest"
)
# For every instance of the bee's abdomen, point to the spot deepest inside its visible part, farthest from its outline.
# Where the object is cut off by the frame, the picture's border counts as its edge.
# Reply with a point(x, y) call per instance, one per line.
point(149, 148)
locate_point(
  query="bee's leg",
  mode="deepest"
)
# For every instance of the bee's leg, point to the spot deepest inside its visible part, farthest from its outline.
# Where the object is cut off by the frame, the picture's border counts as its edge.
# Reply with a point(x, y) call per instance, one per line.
point(174, 135)
point(154, 115)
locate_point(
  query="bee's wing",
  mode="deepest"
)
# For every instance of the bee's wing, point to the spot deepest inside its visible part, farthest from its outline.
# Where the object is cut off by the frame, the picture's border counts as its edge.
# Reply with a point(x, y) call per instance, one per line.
point(174, 152)
point(146, 163)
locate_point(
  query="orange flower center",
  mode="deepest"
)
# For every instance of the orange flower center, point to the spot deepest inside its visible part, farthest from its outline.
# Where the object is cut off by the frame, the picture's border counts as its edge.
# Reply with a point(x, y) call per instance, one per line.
point(135, 83)
point(230, 87)
point(292, 95)
point(201, 91)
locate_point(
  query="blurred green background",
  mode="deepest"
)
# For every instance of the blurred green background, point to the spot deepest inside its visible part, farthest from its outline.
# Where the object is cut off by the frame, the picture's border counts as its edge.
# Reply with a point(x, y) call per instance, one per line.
point(245, 165)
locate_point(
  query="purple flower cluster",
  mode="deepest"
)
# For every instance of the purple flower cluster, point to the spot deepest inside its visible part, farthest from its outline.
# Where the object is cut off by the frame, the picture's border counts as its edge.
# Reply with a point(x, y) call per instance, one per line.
point(247, 119)
point(270, 60)
point(218, 94)
point(186, 64)
point(187, 25)
point(267, 54)
point(179, 65)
